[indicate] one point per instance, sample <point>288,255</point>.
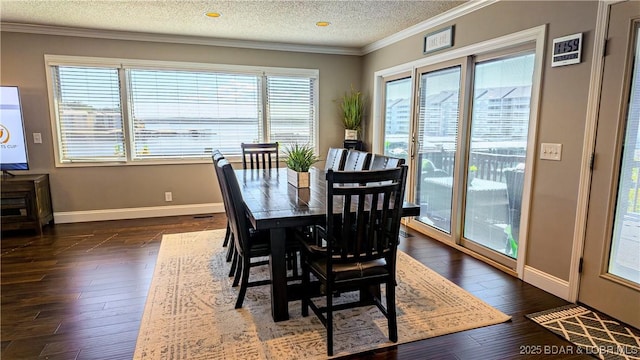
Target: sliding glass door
<point>467,146</point>
<point>436,144</point>
<point>495,171</point>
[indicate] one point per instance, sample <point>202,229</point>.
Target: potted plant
<point>299,160</point>
<point>352,106</point>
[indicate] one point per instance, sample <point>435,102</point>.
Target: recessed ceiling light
<point>323,23</point>
<point>213,14</point>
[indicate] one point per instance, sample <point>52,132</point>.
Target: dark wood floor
<point>78,292</point>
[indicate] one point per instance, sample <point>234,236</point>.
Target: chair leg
<point>391,311</point>
<point>234,262</point>
<point>227,235</point>
<point>293,256</point>
<point>289,260</point>
<point>329,320</point>
<point>305,286</point>
<point>231,249</point>
<point>244,283</point>
<point>239,270</point>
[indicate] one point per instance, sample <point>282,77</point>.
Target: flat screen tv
<point>13,142</point>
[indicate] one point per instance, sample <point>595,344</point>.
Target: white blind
<point>185,114</point>
<point>174,111</point>
<point>89,115</point>
<point>291,110</point>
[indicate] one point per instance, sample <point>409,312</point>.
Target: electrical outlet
<point>551,151</point>
<point>37,138</point>
<point>168,196</point>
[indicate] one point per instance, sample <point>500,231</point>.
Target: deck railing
<point>489,165</point>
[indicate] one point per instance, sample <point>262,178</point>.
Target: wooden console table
<point>25,202</point>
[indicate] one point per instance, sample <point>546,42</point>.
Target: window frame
<point>125,64</point>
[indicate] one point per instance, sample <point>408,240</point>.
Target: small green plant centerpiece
<point>299,160</point>
<point>352,105</point>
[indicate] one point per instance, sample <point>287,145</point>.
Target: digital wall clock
<point>567,50</point>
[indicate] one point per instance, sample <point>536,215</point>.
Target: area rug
<point>189,313</point>
<point>593,333</point>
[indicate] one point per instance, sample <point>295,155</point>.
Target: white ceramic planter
<point>350,134</point>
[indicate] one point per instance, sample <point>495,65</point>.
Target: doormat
<point>592,332</point>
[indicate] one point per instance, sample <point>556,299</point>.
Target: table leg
<point>277,264</point>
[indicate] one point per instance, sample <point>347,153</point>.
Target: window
<point>133,113</point>
<point>184,114</point>
<point>291,109</point>
<point>89,115</point>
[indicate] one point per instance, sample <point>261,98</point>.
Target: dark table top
<point>272,202</point>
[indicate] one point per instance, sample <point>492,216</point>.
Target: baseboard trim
<point>66,217</point>
<point>546,282</point>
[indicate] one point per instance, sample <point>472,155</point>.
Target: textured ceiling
<point>354,24</point>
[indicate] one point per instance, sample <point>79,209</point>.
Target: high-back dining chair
<point>335,159</point>
<point>232,254</point>
<point>260,155</point>
<point>356,251</point>
<point>380,162</point>
<point>356,160</point>
<point>249,243</point>
<point>215,156</point>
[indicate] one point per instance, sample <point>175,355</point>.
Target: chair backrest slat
<point>260,155</point>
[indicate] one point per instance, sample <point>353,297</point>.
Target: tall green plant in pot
<point>299,160</point>
<point>352,106</point>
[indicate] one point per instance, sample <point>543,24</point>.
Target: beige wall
<point>562,111</point>
<point>116,187</point>
<point>562,114</point>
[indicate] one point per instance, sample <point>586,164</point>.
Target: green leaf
<point>352,106</point>
<point>300,157</point>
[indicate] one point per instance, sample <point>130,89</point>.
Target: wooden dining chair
<point>232,253</point>
<point>260,155</point>
<point>217,155</point>
<point>356,251</point>
<point>356,160</point>
<point>335,159</point>
<point>380,162</point>
<point>249,243</point>
<point>266,156</point>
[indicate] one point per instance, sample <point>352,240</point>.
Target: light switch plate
<point>37,138</point>
<point>551,151</point>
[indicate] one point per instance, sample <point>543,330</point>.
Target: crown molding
<point>178,39</point>
<point>443,18</point>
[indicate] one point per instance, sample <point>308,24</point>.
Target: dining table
<point>275,205</point>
